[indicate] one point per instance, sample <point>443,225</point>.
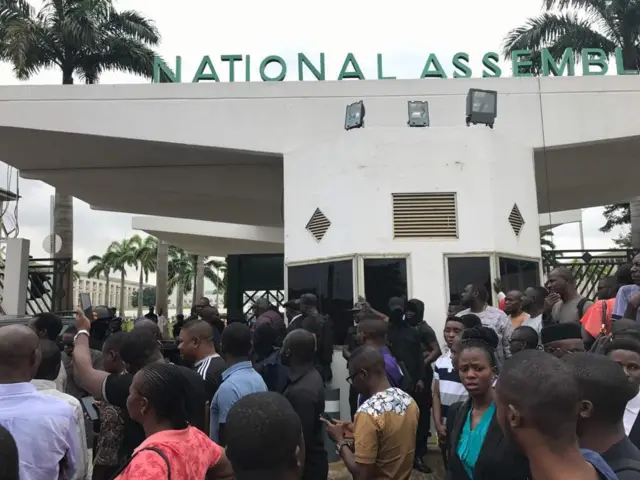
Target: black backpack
<point>625,465</point>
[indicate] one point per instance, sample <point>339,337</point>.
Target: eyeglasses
<point>351,378</point>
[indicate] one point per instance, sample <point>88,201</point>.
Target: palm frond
<point>549,29</point>
<point>133,25</point>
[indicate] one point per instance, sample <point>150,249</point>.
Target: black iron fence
<point>46,287</point>
<point>588,266</point>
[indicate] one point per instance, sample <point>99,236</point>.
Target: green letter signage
<point>518,63</point>
<point>490,63</point>
<point>163,74</point>
<point>461,70</point>
<point>303,60</point>
<point>350,60</point>
<point>439,72</point>
<point>232,59</point>
<point>620,70</point>
<point>380,74</point>
<point>201,75</point>
<point>549,65</point>
<point>594,57</point>
<point>268,61</point>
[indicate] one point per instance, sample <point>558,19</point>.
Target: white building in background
<point>97,288</point>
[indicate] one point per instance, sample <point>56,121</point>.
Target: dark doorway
<point>332,283</point>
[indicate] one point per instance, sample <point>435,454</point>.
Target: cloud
<point>405,34</point>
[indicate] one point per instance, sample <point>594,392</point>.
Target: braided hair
<point>483,338</point>
<point>168,390</point>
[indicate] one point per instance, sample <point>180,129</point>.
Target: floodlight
<point>482,107</point>
<point>418,114</point>
<point>354,117</point>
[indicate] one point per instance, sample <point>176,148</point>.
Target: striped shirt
<point>451,388</point>
<point>210,369</point>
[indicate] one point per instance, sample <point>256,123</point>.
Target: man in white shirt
<point>533,304</point>
<point>44,381</point>
<point>163,324</point>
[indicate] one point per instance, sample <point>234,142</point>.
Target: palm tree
<point>102,266</point>
<point>546,240</point>
<point>182,273</point>
<point>124,255</point>
<point>580,24</point>
<point>82,38</point>
<point>146,258</point>
<point>76,275</point>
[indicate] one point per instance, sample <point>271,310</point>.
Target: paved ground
<point>337,471</point>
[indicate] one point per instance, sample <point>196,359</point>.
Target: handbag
<point>604,337</point>
<point>153,449</point>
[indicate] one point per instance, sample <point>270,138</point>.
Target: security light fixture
<point>354,117</point>
<point>418,114</point>
<point>482,107</point>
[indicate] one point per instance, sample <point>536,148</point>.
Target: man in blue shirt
<point>239,380</point>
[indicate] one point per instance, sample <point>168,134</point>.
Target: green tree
<point>182,273</point>
<point>83,38</point>
<point>102,267</point>
<point>124,256</point>
<point>546,240</point>
<point>580,24</point>
<point>148,298</point>
<point>146,258</point>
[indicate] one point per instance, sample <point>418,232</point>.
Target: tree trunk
<point>180,298</point>
<point>122,294</point>
<point>162,274</point>
<point>198,287</point>
<point>107,295</point>
<point>140,297</point>
<point>63,228</point>
<point>634,204</point>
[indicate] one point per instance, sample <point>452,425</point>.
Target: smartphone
<point>85,304</point>
<point>332,421</point>
<point>88,405</point>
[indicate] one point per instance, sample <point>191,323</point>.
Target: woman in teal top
<point>479,450</point>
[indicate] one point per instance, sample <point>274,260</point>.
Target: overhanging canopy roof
<point>213,238</point>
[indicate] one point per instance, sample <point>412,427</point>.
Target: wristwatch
<point>342,444</point>
<point>80,332</point>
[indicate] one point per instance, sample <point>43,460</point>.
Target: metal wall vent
<point>318,225</point>
<point>424,215</point>
<point>516,220</point>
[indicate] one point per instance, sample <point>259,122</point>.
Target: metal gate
<point>251,277</point>
<point>588,266</point>
<point>45,288</point>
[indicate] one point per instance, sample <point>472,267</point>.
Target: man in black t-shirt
<point>605,392</point>
<point>139,348</point>
<point>196,347</point>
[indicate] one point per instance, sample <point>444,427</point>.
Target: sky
<point>404,34</point>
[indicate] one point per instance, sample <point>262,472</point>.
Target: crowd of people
<point>544,387</point>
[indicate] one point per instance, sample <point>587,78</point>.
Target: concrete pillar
<point>16,276</point>
<point>199,290</point>
<point>162,277</point>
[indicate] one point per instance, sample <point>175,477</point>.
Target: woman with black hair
<point>478,449</point>
<point>160,399</point>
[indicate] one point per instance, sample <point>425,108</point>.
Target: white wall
<point>352,177</point>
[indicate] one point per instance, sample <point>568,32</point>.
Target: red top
<point>592,318</point>
<point>501,304</point>
<point>190,453</point>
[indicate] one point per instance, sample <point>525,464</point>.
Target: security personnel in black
<point>406,346</point>
<point>414,315</point>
